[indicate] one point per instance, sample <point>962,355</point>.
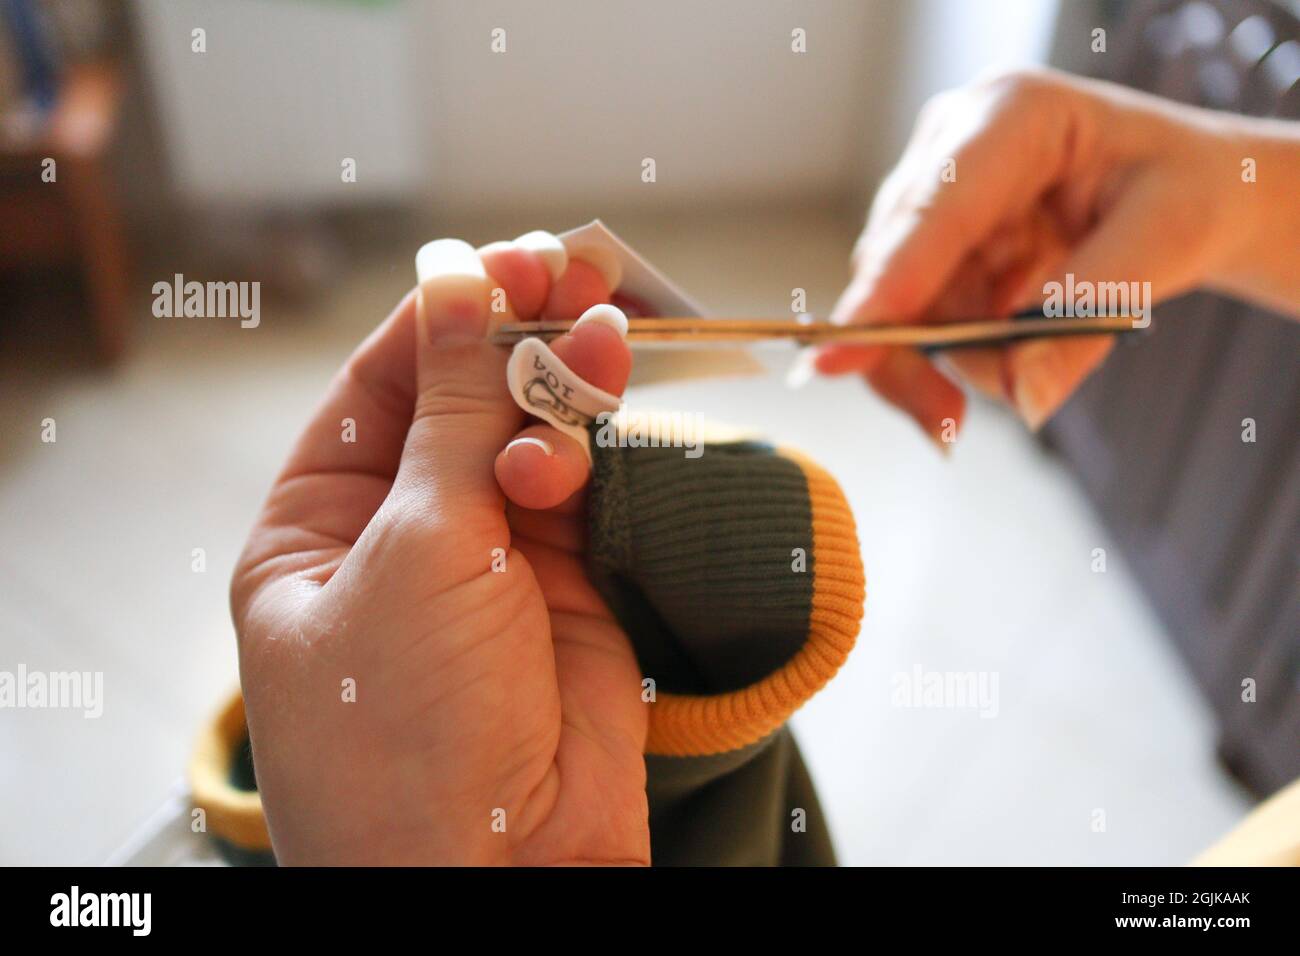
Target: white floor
<point>979,563</point>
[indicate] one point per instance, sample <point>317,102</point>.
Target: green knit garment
<point>694,558</point>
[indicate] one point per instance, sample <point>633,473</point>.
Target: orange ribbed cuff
<point>688,725</point>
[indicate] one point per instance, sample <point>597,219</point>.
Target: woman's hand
<point>497,714</point>
<point>1016,181</point>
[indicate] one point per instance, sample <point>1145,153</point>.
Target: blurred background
<point>214,139</point>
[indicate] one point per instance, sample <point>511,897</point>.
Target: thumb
<point>463,413</point>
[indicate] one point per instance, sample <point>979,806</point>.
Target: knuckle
<point>936,106</point>
<point>1021,86</point>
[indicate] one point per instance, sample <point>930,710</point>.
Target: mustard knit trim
<point>232,814</point>
<point>688,725</point>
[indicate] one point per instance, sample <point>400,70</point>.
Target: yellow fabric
<point>1270,836</point>
<point>234,815</point>
<point>688,725</point>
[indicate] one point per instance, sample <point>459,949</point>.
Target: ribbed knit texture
<point>709,543</point>
<point>695,558</point>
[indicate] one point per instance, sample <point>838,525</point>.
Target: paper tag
<point>542,385</point>
<point>643,282</point>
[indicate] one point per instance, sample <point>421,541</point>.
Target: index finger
<point>984,159</point>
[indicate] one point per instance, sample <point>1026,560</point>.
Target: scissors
<point>683,331</point>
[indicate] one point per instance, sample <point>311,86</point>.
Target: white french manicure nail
<point>802,369</point>
<point>448,257</point>
<point>548,246</point>
<point>604,314</point>
<point>453,288</point>
<point>604,260</point>
<point>448,269</point>
<point>541,443</point>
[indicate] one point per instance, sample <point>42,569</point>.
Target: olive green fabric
<point>694,557</point>
<point>750,807</point>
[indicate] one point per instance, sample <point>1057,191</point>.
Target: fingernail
<point>945,447</point>
<point>541,443</point>
<point>854,303</point>
<point>548,246</point>
<point>1034,388</point>
<point>802,369</point>
<point>603,259</point>
<point>1027,404</point>
<point>604,314</point>
<point>453,290</point>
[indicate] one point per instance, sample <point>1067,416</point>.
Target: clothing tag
<point>544,386</point>
<point>650,287</point>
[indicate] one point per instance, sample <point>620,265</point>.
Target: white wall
<point>939,44</point>
<point>584,92</point>
<point>286,90</point>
